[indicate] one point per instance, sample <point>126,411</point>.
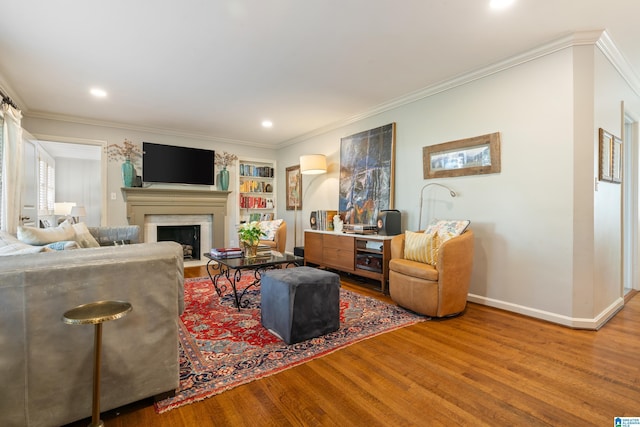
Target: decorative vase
<point>224,179</point>
<point>128,173</point>
<point>250,249</point>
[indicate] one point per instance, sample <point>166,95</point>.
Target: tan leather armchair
<point>425,289</point>
<point>280,240</point>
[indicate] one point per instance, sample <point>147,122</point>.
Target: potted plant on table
<point>250,234</point>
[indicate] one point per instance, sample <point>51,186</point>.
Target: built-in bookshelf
<point>256,190</point>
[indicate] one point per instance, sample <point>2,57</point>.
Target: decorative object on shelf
<point>128,173</point>
<point>471,156</point>
<point>337,224</point>
<point>129,153</point>
<point>225,159</point>
<point>250,234</point>
<point>367,167</point>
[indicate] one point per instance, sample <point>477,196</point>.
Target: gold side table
<point>96,313</point>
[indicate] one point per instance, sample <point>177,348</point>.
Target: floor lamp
<point>451,193</point>
<point>310,164</point>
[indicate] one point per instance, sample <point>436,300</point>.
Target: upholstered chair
<point>436,290</point>
<point>276,239</point>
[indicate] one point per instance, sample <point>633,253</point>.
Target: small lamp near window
<point>77,212</point>
<point>62,210</point>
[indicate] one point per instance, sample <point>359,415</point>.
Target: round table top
<point>96,312</point>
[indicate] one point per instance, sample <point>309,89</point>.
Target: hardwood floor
<point>485,368</point>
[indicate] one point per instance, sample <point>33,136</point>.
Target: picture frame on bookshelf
<point>294,188</point>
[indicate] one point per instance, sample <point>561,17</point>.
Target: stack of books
<point>263,250</point>
<point>226,252</point>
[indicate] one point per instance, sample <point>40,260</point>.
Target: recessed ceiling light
<point>500,4</point>
<point>99,93</point>
<point>267,123</point>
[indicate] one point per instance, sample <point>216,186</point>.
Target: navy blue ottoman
<point>300,303</point>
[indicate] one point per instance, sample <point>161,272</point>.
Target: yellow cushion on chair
<point>421,247</point>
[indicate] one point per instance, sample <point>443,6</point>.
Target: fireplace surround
<point>142,202</point>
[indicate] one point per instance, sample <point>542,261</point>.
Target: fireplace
<point>187,235</point>
<point>181,229</point>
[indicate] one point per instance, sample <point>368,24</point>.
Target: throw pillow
<point>84,238</point>
<point>269,228</point>
<point>43,236</point>
<point>421,247</point>
<point>451,227</point>
<point>9,245</point>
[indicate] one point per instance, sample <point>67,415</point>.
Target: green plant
<point>250,232</point>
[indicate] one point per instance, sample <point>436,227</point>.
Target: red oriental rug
<point>222,348</point>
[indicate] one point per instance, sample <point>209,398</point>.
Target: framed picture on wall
<point>606,154</point>
<point>610,157</point>
<point>471,156</point>
<point>366,174</point>
<point>616,160</point>
<point>294,188</point>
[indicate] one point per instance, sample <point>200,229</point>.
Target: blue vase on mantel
<point>128,173</point>
<point>224,179</point>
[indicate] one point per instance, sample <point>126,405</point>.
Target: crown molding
<point>161,131</point>
<point>599,38</point>
<point>609,49</point>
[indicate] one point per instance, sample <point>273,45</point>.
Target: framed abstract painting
<point>367,167</point>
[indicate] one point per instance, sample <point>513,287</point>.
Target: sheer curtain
<point>11,168</point>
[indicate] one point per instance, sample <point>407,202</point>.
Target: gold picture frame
<point>471,156</point>
<point>294,188</point>
<point>610,157</point>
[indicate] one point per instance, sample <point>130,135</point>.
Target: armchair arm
<point>281,237</point>
<point>397,246</point>
<point>455,263</point>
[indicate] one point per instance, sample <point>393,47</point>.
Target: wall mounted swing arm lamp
<point>451,193</point>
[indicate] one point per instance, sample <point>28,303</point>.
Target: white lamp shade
<point>63,208</point>
<point>313,164</point>
<point>78,211</point>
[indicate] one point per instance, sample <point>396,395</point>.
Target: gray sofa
<point>46,365</point>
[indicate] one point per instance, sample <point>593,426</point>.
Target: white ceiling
<point>217,68</point>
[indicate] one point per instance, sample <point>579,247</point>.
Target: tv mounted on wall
<point>177,165</point>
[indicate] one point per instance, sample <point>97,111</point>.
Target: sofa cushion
<point>269,229</point>
<point>9,245</point>
<point>84,238</point>
<point>63,245</point>
<point>421,247</point>
<point>43,236</point>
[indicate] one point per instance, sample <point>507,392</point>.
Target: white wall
<point>116,209</point>
<point>547,243</point>
<point>534,222</point>
<point>78,180</point>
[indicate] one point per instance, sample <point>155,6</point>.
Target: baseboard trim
<point>572,322</point>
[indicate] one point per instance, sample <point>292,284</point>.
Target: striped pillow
<point>421,247</point>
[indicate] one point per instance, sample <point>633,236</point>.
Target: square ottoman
<point>300,303</point>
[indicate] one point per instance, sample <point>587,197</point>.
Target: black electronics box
<point>371,262</point>
<point>388,223</point>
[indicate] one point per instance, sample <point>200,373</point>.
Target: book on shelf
<point>324,219</point>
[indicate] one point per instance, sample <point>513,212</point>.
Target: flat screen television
<point>177,165</point>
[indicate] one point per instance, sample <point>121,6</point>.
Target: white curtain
<point>12,162</point>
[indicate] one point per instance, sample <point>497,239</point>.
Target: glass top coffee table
<point>256,264</point>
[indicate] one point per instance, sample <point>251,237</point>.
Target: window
<point>46,186</point>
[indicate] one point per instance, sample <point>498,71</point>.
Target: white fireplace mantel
<point>162,201</point>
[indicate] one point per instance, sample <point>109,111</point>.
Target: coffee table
<point>256,264</point>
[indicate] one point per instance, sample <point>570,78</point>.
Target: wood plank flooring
<point>487,367</point>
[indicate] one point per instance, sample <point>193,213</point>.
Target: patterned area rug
<point>222,348</point>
